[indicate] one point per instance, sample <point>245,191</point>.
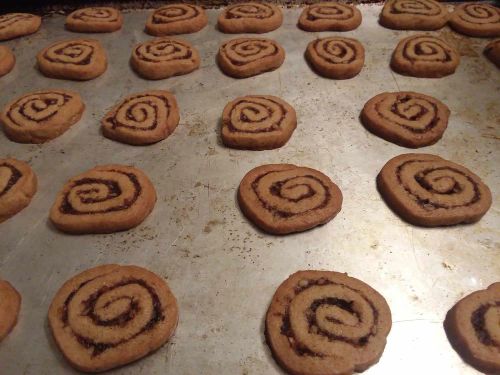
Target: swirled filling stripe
<point>482,13</point>
<point>415,7</point>
<point>100,15</point>
<point>37,107</point>
<point>342,54</point>
<point>9,20</point>
<point>164,17</point>
<point>60,51</point>
<point>273,127</point>
<point>241,63</point>
<point>130,116</point>
<point>478,322</point>
<point>435,48</point>
<point>148,48</point>
<point>14,177</point>
<point>332,12</point>
<point>261,11</point>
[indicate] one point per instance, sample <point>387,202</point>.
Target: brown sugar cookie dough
<point>492,52</point>
<point>142,118</point>
<point>330,17</point>
<point>18,185</point>
<point>429,191</point>
<point>473,328</point>
<point>40,116</point>
<point>406,118</point>
<point>257,122</point>
<point>284,198</point>
<point>250,18</point>
<point>336,57</point>
<point>414,15</point>
<point>164,57</point>
<point>111,315</point>
<point>95,20</point>
<point>246,57</point>
<point>175,19</point>
<point>10,305</point>
<point>7,60</point>
<point>326,323</point>
<point>75,59</point>
<point>424,56</point>
<point>105,199</point>
<point>476,19</point>
<point>13,25</point>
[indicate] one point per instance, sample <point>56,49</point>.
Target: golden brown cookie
<point>75,59</point>
<point>473,328</point>
<point>429,191</point>
<point>336,57</point>
<point>476,19</point>
<point>17,187</point>
<point>7,60</point>
<point>175,19</point>
<point>247,57</point>
<point>492,52</point>
<point>326,323</point>
<point>164,57</point>
<point>142,118</point>
<point>414,15</point>
<point>13,25</point>
<point>105,199</point>
<point>424,56</point>
<point>95,20</point>
<point>40,116</point>
<point>111,315</point>
<point>257,122</point>
<point>409,119</point>
<point>330,17</point>
<point>250,18</point>
<point>10,304</point>
<point>284,198</point>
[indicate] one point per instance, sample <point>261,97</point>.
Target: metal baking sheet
<point>222,269</point>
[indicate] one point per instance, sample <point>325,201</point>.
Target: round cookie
<point>330,17</point>
<point>10,305</point>
<point>257,122</point>
<point>326,323</point>
<point>492,51</point>
<point>247,57</point>
<point>414,15</point>
<point>95,20</point>
<point>7,60</point>
<point>476,19</point>
<point>424,56</point>
<point>105,199</point>
<point>406,118</point>
<point>111,315</point>
<point>75,59</point>
<point>164,57</point>
<point>429,191</point>
<point>40,116</point>
<point>336,57</point>
<point>284,198</point>
<point>13,25</point>
<point>175,19</point>
<point>250,18</point>
<point>17,186</point>
<point>473,328</point>
<point>142,118</point>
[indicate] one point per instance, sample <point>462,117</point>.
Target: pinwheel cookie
<point>17,186</point>
<point>414,15</point>
<point>492,52</point>
<point>13,25</point>
<point>430,191</point>
<point>95,20</point>
<point>284,198</point>
<point>143,118</point>
<point>41,116</point>
<point>476,19</point>
<point>10,304</point>
<point>250,18</point>
<point>105,199</point>
<point>76,59</point>
<point>7,60</point>
<point>176,19</point>
<point>164,57</point>
<point>246,57</point>
<point>257,122</point>
<point>330,17</point>
<point>111,315</point>
<point>326,323</point>
<point>473,328</point>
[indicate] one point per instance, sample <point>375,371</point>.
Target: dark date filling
<point>478,322</point>
<point>9,20</point>
<point>275,126</point>
<point>431,10</point>
<point>14,177</point>
<point>116,124</point>
<point>161,18</point>
<point>60,51</point>
<point>255,12</point>
<point>186,56</point>
<point>342,54</point>
<point>488,13</point>
<point>256,43</point>
<point>47,102</point>
<point>101,15</point>
<point>419,51</point>
<point>346,13</point>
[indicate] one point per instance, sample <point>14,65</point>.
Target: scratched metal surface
<point>221,268</point>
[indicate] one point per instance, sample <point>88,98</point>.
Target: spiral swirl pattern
<point>414,15</point>
<point>78,53</point>
<point>10,19</point>
<point>330,17</point>
<point>250,10</point>
<point>328,319</point>
<point>13,25</point>
<point>250,17</point>
<point>164,49</point>
<point>96,14</point>
<point>34,108</point>
<point>422,7</point>
<point>428,190</point>
<point>330,11</point>
<point>9,175</point>
<point>479,13</point>
<point>476,19</point>
<point>175,13</point>
<point>176,19</point>
<point>102,317</point>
